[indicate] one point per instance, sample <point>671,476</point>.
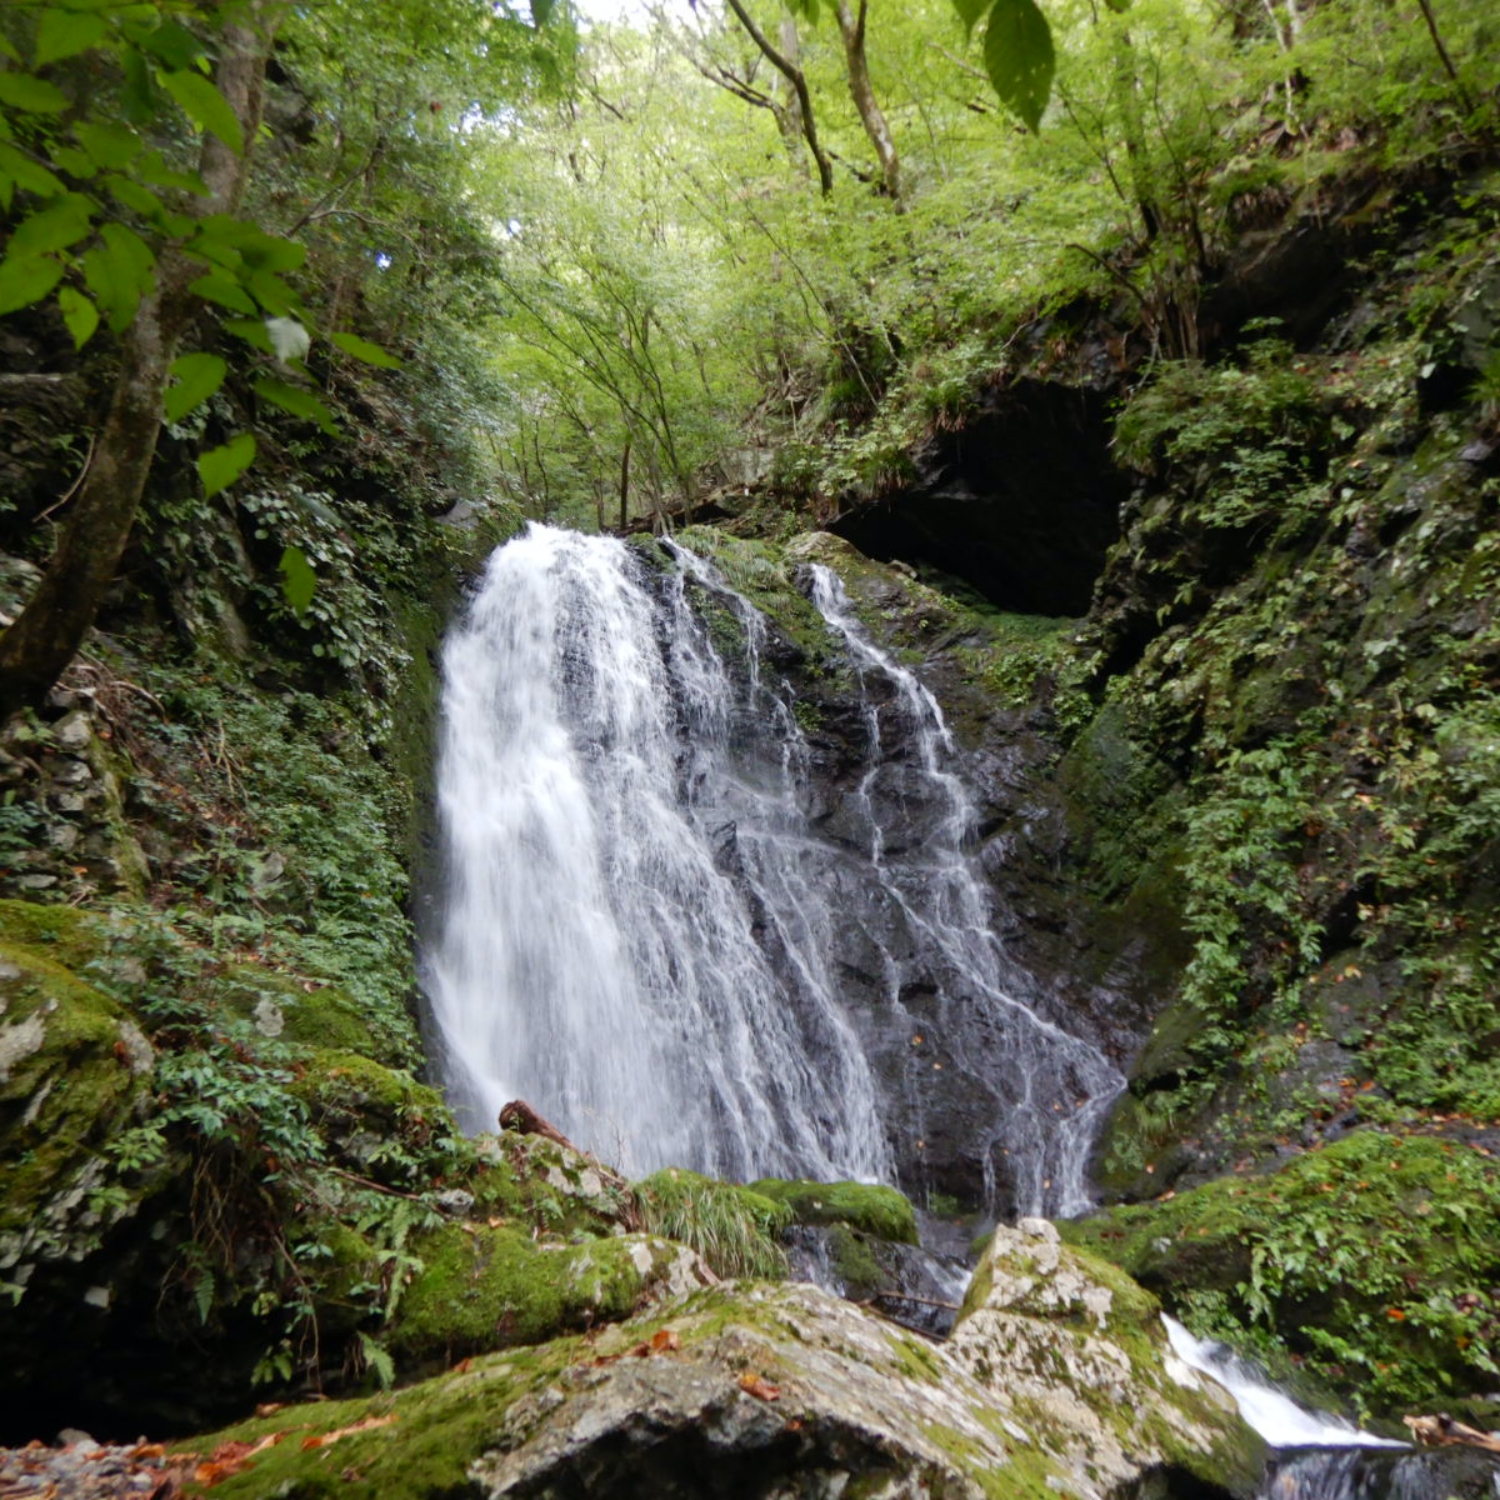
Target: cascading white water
<point>1271,1412</point>
<point>646,921</point>
<point>1055,1088</point>
<point>597,958</point>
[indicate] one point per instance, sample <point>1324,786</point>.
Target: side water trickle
<point>1052,1090</point>
<point>648,905</point>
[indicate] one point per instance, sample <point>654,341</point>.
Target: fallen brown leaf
<point>365,1424</point>
<point>759,1387</point>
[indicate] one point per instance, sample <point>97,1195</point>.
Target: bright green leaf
<point>28,175</point>
<point>63,33</point>
<point>138,98</point>
<point>34,95</point>
<point>220,467</point>
<point>63,222</point>
<point>81,316</point>
<point>197,377</point>
<point>154,169</point>
<point>252,331</point>
<point>26,279</point>
<point>6,50</point>
<point>117,271</point>
<point>74,162</point>
<point>371,354</point>
<point>1018,57</point>
<point>173,44</point>
<point>273,294</point>
<point>299,403</point>
<point>205,106</point>
<point>219,286</point>
<point>129,192</point>
<point>111,146</point>
<point>298,581</point>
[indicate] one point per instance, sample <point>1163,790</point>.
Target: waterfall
<point>1053,1089</point>
<point>650,904</point>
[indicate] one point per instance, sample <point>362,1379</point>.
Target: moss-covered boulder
<point>1373,1261</point>
<point>1080,1350</point>
<point>74,1072</point>
<point>479,1288</point>
<point>754,1391</point>
<point>878,1211</point>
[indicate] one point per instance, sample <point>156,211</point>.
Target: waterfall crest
<point>652,914</point>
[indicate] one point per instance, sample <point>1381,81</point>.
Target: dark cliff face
<point>1240,818</point>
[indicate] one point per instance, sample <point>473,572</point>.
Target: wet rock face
<point>946,1070</point>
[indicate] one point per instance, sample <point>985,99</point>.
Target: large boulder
<point>1076,1352</point>
<point>1058,1383</point>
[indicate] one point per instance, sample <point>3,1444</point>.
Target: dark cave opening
<point>1022,502</point>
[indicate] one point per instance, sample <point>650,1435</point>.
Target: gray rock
<point>73,732</point>
<point>1059,1335</point>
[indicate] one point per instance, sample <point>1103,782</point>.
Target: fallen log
<point>519,1116</point>
<point>1443,1431</point>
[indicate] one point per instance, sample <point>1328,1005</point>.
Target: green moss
<point>70,1080</point>
<point>69,937</point>
<point>481,1288</point>
<point>345,1085</point>
<point>313,1015</point>
<point>1373,1259</point>
<point>873,1209</point>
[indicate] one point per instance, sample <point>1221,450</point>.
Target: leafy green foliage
<point>1373,1260</point>
<point>733,1228</point>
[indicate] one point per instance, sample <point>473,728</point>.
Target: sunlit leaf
<point>64,33</point>
<point>197,377</point>
<point>26,279</point>
<point>219,286</point>
<point>971,12</point>
<point>371,354</point>
<point>220,467</point>
<point>251,330</point>
<point>62,223</point>
<point>129,192</point>
<point>80,315</point>
<point>298,581</point>
<point>170,42</point>
<point>1019,59</point>
<point>34,95</point>
<point>205,106</point>
<point>117,271</point>
<point>28,175</point>
<point>111,146</point>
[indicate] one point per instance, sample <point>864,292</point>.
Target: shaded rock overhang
<point>1022,502</point>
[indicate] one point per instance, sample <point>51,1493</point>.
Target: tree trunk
<point>46,636</point>
<point>625,485</point>
<point>871,116</point>
<point>1128,100</point>
<point>794,76</point>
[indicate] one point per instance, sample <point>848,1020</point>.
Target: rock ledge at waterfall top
<point>1058,1383</point>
